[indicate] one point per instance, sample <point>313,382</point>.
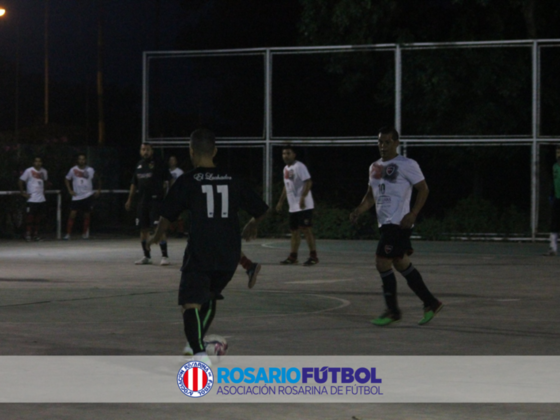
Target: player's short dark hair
<point>289,147</point>
<point>80,154</point>
<point>203,141</point>
<point>390,130</point>
<point>37,157</point>
<point>147,144</point>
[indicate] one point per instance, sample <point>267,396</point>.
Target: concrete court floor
<point>87,298</point>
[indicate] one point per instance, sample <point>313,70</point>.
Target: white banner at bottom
<point>280,379</point>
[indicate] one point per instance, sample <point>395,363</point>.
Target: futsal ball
<point>216,345</point>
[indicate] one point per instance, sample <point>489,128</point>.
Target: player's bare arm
<point>162,227</point>
<point>281,200</point>
<point>367,203</point>
<point>128,203</point>
<point>250,230</point>
<point>22,189</point>
<point>408,220</point>
<point>69,188</point>
<point>306,188</point>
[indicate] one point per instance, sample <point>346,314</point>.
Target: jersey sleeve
<point>175,201</point>
<point>412,172</point>
<point>303,173</point>
<point>25,175</point>
<point>251,202</point>
<point>70,175</point>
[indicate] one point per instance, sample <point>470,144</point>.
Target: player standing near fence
<point>150,180</point>
<point>213,198</point>
<point>34,179</point>
<point>391,180</point>
<point>81,190</point>
<point>297,188</point>
<point>555,201</point>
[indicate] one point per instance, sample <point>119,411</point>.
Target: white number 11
<point>209,191</point>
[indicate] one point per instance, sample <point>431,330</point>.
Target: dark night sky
<point>130,28</point>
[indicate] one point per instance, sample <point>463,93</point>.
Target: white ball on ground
<point>215,345</point>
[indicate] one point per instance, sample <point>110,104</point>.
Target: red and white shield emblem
<point>195,379</point>
<point>388,249</point>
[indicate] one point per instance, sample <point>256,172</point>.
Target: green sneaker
<point>388,317</point>
<point>430,312</point>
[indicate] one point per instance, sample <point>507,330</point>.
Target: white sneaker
<point>202,357</point>
<point>187,350</point>
<point>85,235</point>
<point>67,237</point>
<point>164,261</point>
<point>143,261</point>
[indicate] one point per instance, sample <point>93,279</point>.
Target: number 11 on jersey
<point>223,191</point>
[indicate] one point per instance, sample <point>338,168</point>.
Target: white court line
<point>316,281</point>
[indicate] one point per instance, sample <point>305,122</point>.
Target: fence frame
<point>59,204</point>
<point>268,141</point>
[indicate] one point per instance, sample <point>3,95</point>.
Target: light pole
<point>16,119</point>
<point>46,62</point>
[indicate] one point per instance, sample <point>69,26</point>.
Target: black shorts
<point>202,286</point>
<point>148,213</point>
<point>36,208</point>
<point>85,205</point>
<point>555,216</point>
<point>394,242</point>
<point>302,218</point>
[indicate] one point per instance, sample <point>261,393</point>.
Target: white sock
<point>553,242</point>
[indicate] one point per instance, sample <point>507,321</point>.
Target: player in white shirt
<point>34,179</point>
<point>391,180</point>
<point>81,190</point>
<point>297,188</point>
<point>174,170</point>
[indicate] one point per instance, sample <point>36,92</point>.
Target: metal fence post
<point>535,134</point>
<point>268,127</point>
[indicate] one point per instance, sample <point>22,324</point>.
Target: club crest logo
<point>391,171</point>
<point>195,379</point>
<point>388,249</point>
<point>199,177</point>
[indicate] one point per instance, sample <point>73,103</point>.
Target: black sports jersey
<point>149,177</point>
<point>213,197</point>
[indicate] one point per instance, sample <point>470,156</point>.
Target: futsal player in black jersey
<point>150,181</point>
<point>213,197</point>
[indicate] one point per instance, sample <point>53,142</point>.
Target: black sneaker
<point>38,239</point>
<point>289,261</point>
<point>252,272</point>
<point>388,317</point>
<point>311,261</point>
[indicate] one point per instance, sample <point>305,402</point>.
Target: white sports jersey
<point>176,173</point>
<point>35,184</point>
<point>391,182</point>
<point>294,179</point>
<point>82,182</point>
